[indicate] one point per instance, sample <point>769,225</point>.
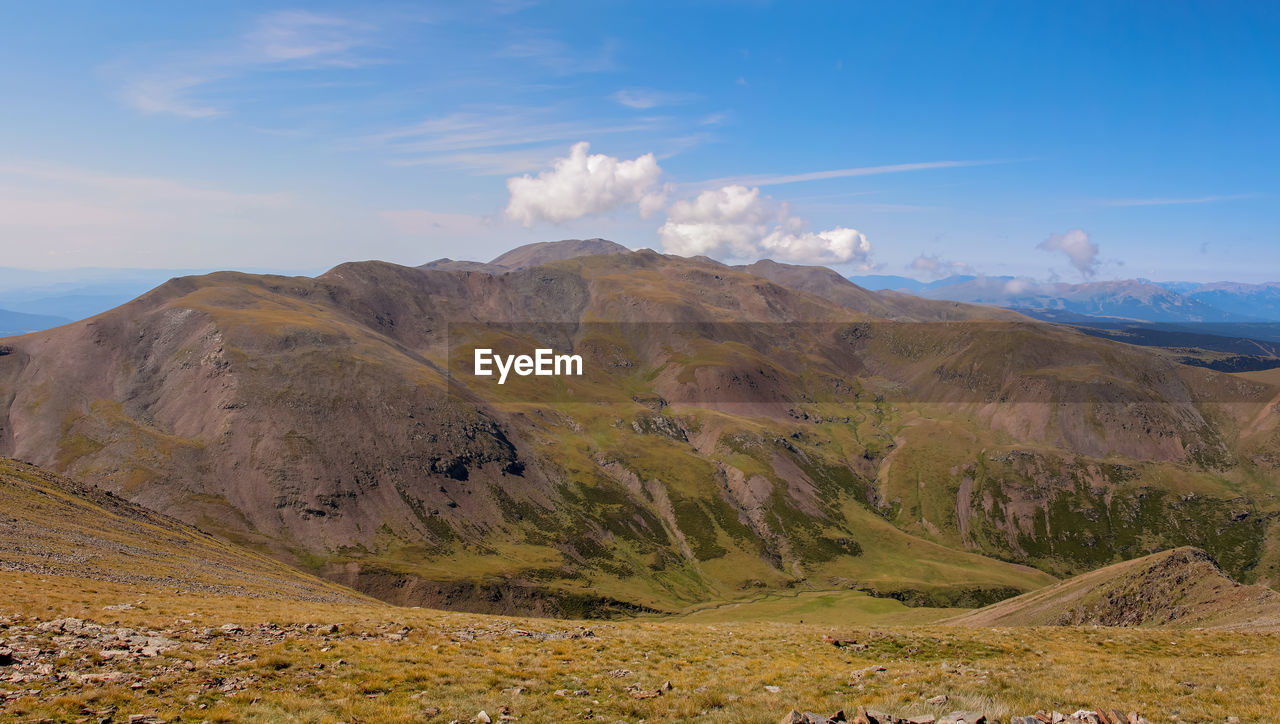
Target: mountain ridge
<point>328,421</point>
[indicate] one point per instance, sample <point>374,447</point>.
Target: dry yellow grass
<point>451,666</point>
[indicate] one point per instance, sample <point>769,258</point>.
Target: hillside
<point>1181,588</point>
<point>731,436</point>
<point>51,525</point>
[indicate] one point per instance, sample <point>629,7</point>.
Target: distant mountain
<point>530,255</point>
<point>1134,299</point>
<point>13,323</point>
<point>1260,301</point>
<point>881,282</point>
<point>77,293</point>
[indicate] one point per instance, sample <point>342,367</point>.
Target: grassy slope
<point>52,525</point>
<point>462,663</point>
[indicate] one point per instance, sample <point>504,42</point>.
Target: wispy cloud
<point>561,58</point>
<point>282,40</point>
<point>776,180</point>
<point>500,140</point>
<point>646,98</point>
<point>1179,201</point>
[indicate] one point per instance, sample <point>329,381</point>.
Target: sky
<point>1061,141</point>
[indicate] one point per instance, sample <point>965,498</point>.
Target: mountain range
<point>737,429</point>
<point>1136,300</point>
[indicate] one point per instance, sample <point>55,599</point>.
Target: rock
<point>772,689</point>
<point>6,657</point>
<point>795,717</point>
<point>938,700</point>
<point>922,719</point>
<point>666,686</point>
<point>871,716</point>
<point>231,628</point>
<point>963,717</point>
<point>483,717</point>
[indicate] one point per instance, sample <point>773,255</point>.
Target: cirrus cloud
<point>583,184</point>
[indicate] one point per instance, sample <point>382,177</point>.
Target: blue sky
<point>1056,140</point>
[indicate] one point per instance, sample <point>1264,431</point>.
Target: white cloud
<point>583,184</point>
<point>1019,287</point>
<point>936,267</point>
<point>1080,251</point>
<point>739,223</point>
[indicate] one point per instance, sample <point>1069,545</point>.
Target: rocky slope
<point>1181,588</point>
<point>731,433</point>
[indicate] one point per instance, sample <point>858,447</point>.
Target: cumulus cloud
<point>738,222</point>
<point>1080,251</point>
<point>936,267</point>
<point>583,184</point>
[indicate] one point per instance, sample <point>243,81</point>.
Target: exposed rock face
<point>729,432</point>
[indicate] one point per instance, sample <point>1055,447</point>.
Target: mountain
<point>1130,299</point>
<point>55,526</point>
<point>730,434</point>
<point>881,282</point>
<point>1133,300</point>
<point>1259,301</point>
<point>888,282</point>
<point>531,255</point>
<point>829,285</point>
<point>14,323</point>
<point>1182,588</point>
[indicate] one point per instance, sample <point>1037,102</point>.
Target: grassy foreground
<point>388,664</point>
